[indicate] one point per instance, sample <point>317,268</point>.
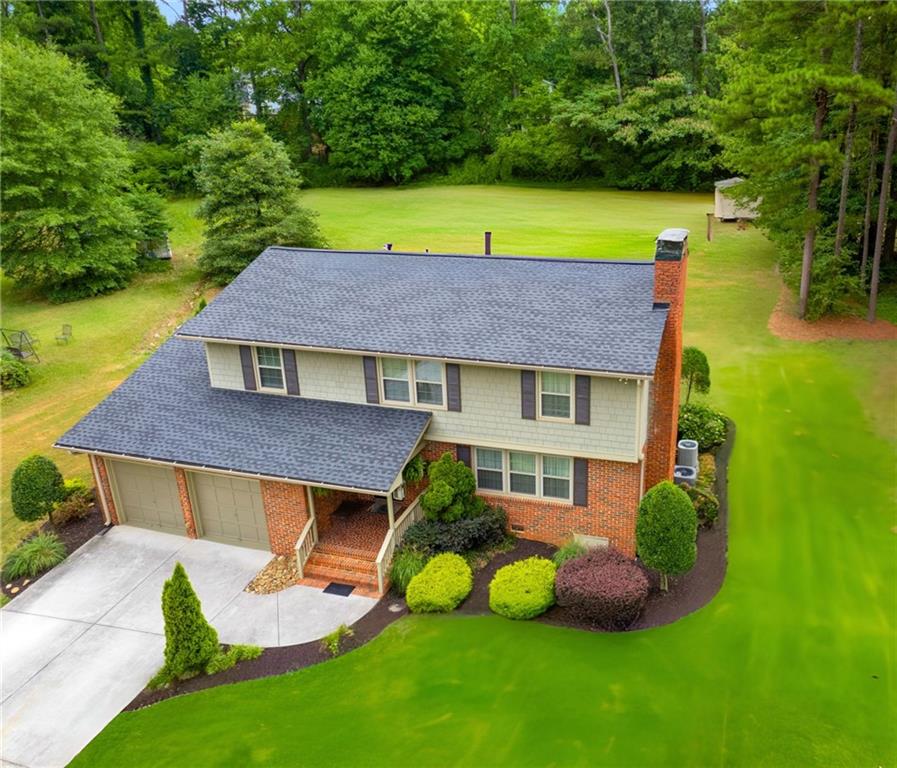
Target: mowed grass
<point>792,664</point>
<point>113,334</point>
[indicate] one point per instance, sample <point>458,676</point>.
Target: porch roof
<point>166,411</point>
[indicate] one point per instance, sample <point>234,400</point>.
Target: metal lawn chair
<point>66,334</point>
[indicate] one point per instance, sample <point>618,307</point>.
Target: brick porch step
<point>341,568</point>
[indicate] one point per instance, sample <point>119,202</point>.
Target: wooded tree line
<point>638,95</point>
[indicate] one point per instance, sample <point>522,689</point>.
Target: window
<point>270,367</point>
<point>417,382</point>
<point>490,474</point>
<point>522,473</point>
<point>428,380</point>
<point>556,477</point>
<point>395,380</point>
<point>554,395</point>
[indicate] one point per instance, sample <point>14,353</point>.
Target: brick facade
<point>660,451</point>
<point>286,509</point>
<point>101,480</point>
<point>186,502</point>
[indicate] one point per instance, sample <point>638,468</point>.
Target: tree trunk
<point>515,88</point>
<point>812,203</point>
<point>146,72</point>
<point>848,144</point>
<point>882,213</point>
<point>97,30</point>
<point>867,217</point>
<point>43,20</point>
<point>607,37</point>
<point>688,391</point>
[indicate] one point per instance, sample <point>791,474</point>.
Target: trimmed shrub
<point>441,586</point>
<point>75,485</point>
<point>665,531</point>
<point>698,422</point>
<point>450,494</point>
<point>36,487</point>
<point>570,550</point>
<point>523,590</point>
<point>191,643</point>
<point>603,588</point>
<point>331,643</point>
<point>487,529</point>
<point>36,555</point>
<point>407,562</point>
<point>14,374</point>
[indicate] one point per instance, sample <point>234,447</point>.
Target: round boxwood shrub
<point>523,590</point>
<point>666,530</point>
<point>441,586</point>
<point>14,374</point>
<point>37,486</point>
<point>603,588</point>
<point>698,422</point>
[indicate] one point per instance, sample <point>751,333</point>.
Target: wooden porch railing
<point>394,538</point>
<point>305,544</point>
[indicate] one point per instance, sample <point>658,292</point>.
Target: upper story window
<point>555,396</point>
<point>270,367</point>
<point>416,382</point>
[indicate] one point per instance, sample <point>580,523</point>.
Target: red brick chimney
<point>670,264</point>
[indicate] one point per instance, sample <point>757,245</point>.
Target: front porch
<point>350,539</point>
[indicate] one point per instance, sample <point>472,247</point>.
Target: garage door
<point>147,496</point>
<point>230,510</point>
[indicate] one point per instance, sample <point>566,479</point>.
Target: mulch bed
<point>73,534</point>
<point>686,594</point>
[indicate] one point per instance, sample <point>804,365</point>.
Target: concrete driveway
<point>80,643</point>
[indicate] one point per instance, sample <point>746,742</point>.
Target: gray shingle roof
<point>167,411</point>
<point>563,313</point>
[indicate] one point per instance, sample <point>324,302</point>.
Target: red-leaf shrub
<point>603,588</point>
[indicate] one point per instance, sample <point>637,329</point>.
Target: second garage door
<point>230,510</point>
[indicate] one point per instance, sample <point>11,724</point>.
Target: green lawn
<point>792,664</point>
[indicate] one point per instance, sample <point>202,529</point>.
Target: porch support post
<point>390,511</point>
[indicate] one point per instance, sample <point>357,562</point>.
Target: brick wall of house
<point>614,490</point>
<point>660,452</point>
<point>186,503</point>
<point>101,479</point>
<point>286,509</point>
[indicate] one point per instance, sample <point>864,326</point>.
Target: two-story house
<point>282,415</point>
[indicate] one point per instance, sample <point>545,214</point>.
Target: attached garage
<point>229,510</point>
<point>146,495</point>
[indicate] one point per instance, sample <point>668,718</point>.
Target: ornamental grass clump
<point>603,588</point>
<point>34,556</point>
<point>406,564</point>
<point>441,586</point>
<point>523,590</point>
<point>570,551</point>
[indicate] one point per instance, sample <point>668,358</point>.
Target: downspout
<point>101,491</point>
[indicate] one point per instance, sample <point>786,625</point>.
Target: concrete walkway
<point>80,643</point>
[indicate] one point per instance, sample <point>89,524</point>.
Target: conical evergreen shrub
<point>190,641</point>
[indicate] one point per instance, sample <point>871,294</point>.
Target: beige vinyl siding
<point>224,366</point>
<point>491,416</point>
<point>490,398</point>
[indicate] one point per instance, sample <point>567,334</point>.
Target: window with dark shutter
<point>528,394</point>
<point>291,371</point>
<point>463,453</point>
<point>370,379</point>
<point>248,366</point>
<point>453,385</point>
<point>580,482</point>
<point>583,399</point>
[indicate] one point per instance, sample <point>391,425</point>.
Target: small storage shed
<point>725,207</point>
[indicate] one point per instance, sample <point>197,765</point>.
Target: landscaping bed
<point>73,534</point>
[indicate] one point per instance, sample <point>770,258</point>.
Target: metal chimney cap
<point>673,235</point>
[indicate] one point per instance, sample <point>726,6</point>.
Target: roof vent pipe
<point>488,244</point>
